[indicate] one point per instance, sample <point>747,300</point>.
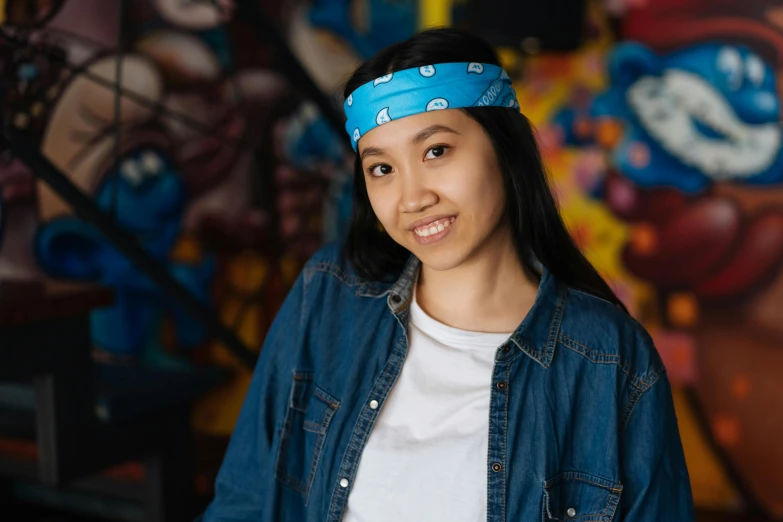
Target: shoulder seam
<point>636,395</point>
<point>637,325</point>
<point>588,294</point>
<point>361,287</point>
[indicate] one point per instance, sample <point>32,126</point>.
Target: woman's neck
<point>489,292</point>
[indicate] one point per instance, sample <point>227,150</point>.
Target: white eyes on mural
<point>151,163</point>
<point>136,170</point>
<point>730,62</point>
<point>755,69</point>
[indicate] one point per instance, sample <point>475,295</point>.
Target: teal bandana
<point>424,89</point>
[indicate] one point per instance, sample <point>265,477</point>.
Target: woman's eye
<point>379,170</point>
<point>436,152</point>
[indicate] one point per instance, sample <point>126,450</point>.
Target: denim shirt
<point>581,419</point>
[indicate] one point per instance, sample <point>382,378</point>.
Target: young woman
<point>457,359</point>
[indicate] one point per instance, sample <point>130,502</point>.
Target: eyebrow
<point>429,131</point>
<point>418,138</point>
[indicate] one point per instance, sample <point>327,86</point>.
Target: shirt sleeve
<point>245,489</point>
<point>656,485</point>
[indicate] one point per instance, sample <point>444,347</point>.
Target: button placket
<point>360,433</point>
<point>498,429</point>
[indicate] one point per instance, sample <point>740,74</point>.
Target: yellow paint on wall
<point>711,487</point>
<point>509,58</point>
<point>245,273</point>
<point>187,249</point>
<point>434,13</point>
<point>537,106</point>
<point>602,234</point>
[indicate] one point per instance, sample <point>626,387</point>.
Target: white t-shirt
<point>426,457</point>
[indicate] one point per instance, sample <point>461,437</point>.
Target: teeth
<point>434,228</point>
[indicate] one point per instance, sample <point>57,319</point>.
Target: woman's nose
<point>416,196</point>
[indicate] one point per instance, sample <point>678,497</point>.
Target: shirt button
<point>344,483</point>
<point>374,404</point>
<point>496,467</point>
<point>505,348</point>
<point>571,512</point>
<point>396,299</point>
<point>502,385</point>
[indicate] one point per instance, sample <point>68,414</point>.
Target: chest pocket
<point>310,411</point>
<point>571,496</point>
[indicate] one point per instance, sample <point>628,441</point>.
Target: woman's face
<point>434,183</point>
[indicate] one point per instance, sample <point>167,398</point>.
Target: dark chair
<point>84,418</point>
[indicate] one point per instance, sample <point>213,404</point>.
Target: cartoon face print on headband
<point>383,79</point>
<point>428,71</point>
<point>383,116</point>
<point>438,104</point>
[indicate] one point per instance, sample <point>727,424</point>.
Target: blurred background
<point>167,166</point>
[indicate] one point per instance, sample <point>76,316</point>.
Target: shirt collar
<point>536,335</point>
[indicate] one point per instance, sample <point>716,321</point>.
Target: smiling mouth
<point>433,228</point>
<point>693,122</point>
<point>434,232</point>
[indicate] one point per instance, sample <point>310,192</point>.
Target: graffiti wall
<point>174,119</point>
<point>662,136</point>
<point>666,150</point>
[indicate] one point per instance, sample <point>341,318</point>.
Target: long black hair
<point>537,228</point>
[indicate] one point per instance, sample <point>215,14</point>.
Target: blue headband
<point>423,89</point>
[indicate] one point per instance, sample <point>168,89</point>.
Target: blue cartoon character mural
<point>676,128</point>
<point>147,197</point>
<point>707,113</point>
<point>135,176</point>
<point>162,163</point>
